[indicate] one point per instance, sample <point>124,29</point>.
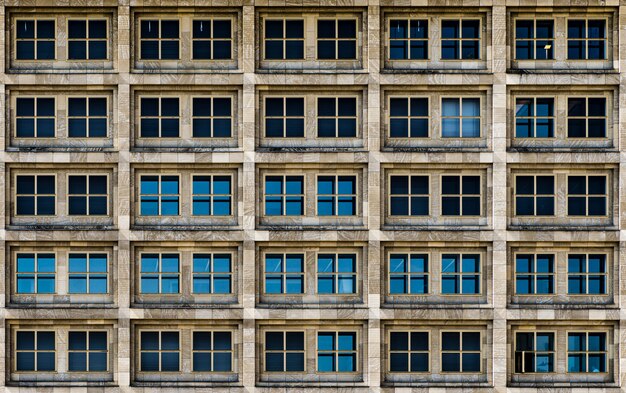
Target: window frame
<point>336,39</point>
<point>335,352</point>
<point>233,32</point>
<point>287,329</point>
<point>392,330</point>
<point>107,39</point>
<point>284,196</point>
<point>460,117</point>
<point>139,333</point>
<point>460,39</point>
<point>358,118</point>
<point>428,117</point>
<point>535,195</point>
<point>159,18</point>
<point>159,175</point>
<point>554,352</point>
<point>335,196</point>
<point>284,118</point>
<point>212,118</point>
<point>460,175</point>
<point>461,274</point>
<point>88,273</point>
<point>34,273</point>
<point>410,195</point>
<point>35,351</point>
<point>87,117</point>
<point>534,118</point>
<point>283,273</point>
<point>587,117</point>
<point>35,99</point>
<point>212,351</point>
<point>460,332</point>
<point>408,253</point>
<point>231,195</point>
<point>211,274</point>
<point>606,352</point>
<point>88,350</point>
<point>606,274</point>
<point>606,196</point>
<point>534,39</point>
<point>586,18</point>
<point>409,19</point>
<point>554,274</point>
<point>335,274</point>
<point>35,195</point>
<point>35,19</point>
<point>159,273</point>
<point>159,117</point>
<point>284,39</point>
<point>88,195</point>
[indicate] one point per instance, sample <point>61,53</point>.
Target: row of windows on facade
<point>334,195</point>
<point>288,351</point>
<point>299,118</point>
<point>288,273</point>
<point>287,39</point>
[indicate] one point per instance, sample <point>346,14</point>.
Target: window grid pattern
<point>35,351</point>
<point>88,273</point>
<point>586,39</point>
<point>534,117</point>
<point>409,352</point>
<point>88,195</point>
<point>461,352</point>
<point>87,39</point>
<point>160,273</point>
<point>212,195</point>
<point>409,274</point>
<point>159,39</point>
<point>159,351</point>
<point>408,39</point>
<point>460,117</point>
<point>284,351</point>
<point>586,352</point>
<point>35,195</point>
<point>284,274</point>
<point>35,117</point>
<point>336,195</point>
<point>337,117</point>
<point>587,196</point>
<point>587,274</point>
<point>87,117</point>
<point>159,195</point>
<point>212,39</point>
<point>408,117</point>
<point>460,195</point>
<point>586,117</point>
<point>534,195</point>
<point>534,39</point>
<point>336,39</point>
<point>212,351</point>
<point>35,273</point>
<point>160,117</point>
<point>534,352</point>
<point>212,273</point>
<point>409,196</point>
<point>534,274</point>
<point>284,117</point>
<point>336,352</point>
<point>336,274</point>
<point>87,351</point>
<point>212,117</point>
<point>35,39</point>
<point>460,39</point>
<point>460,274</point>
<point>284,39</point>
<point>284,195</point>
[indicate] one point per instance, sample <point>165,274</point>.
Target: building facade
<point>355,196</point>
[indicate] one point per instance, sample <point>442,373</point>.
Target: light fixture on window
<point>149,26</point>
<point>201,28</point>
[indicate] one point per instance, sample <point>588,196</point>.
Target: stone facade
<point>491,318</point>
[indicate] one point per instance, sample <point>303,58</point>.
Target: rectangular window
<point>160,117</point>
<point>409,196</point>
<point>408,274</point>
<point>461,352</point>
<point>534,195</point>
<point>35,39</point>
<point>35,117</point>
<point>460,274</point>
<point>336,117</point>
<point>409,352</point>
<point>160,352</point>
<point>534,117</point>
<point>284,117</point>
<point>336,39</point>
<point>534,274</point>
<point>460,39</point>
<point>586,117</point>
<point>87,39</point>
<point>460,195</point>
<point>87,273</point>
<point>212,117</point>
<point>284,352</point>
<point>87,195</point>
<point>159,195</point>
<point>586,39</point>
<point>159,40</point>
<point>284,195</point>
<point>212,39</point>
<point>408,117</point>
<point>87,117</point>
<point>35,195</point>
<point>336,195</point>
<point>534,39</point>
<point>336,274</point>
<point>212,195</point>
<point>212,352</point>
<point>336,352</point>
<point>212,274</point>
<point>160,273</point>
<point>284,39</point>
<point>460,118</point>
<point>586,352</point>
<point>408,39</point>
<point>534,352</point>
<point>35,351</point>
<point>284,274</point>
<point>87,351</point>
<point>587,196</point>
<point>35,273</point>
<point>586,274</point>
